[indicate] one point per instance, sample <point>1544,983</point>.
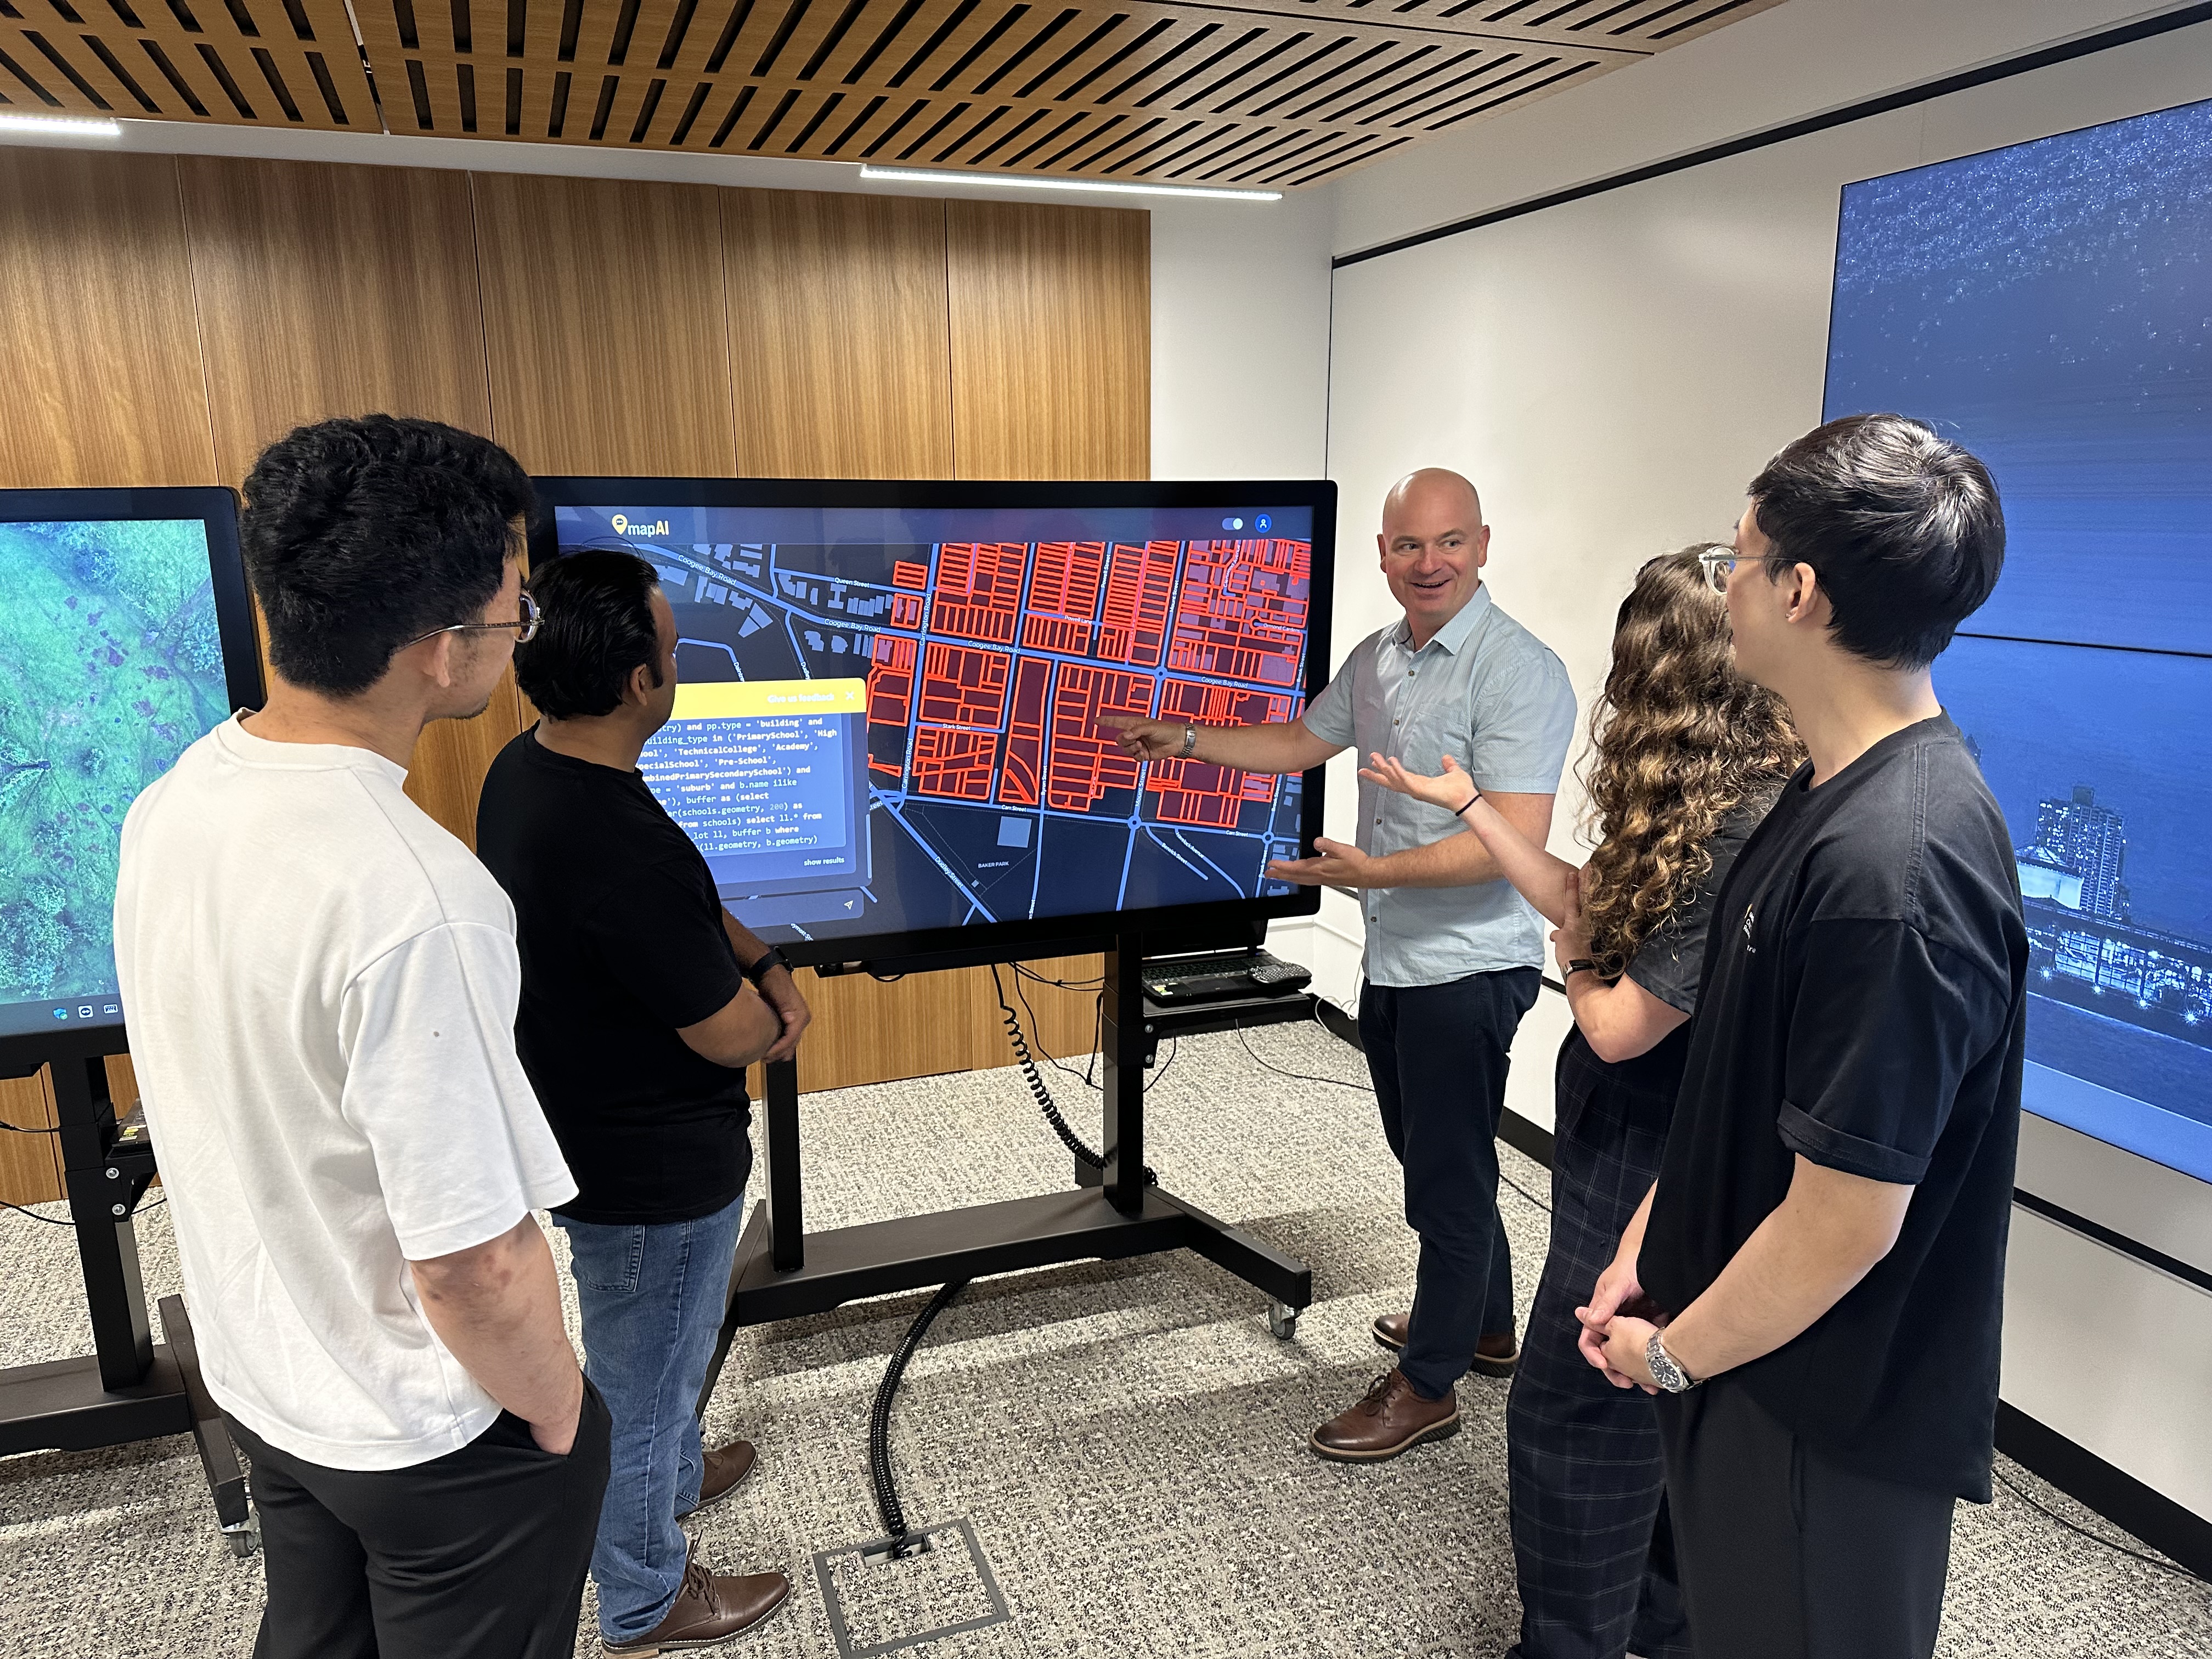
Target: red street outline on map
<point>999,702</point>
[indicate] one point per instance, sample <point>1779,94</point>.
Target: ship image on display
<point>2084,947</point>
<point>110,666</point>
<point>992,791</point>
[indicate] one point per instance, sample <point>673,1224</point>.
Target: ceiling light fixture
<point>1097,186</point>
<point>60,124</point>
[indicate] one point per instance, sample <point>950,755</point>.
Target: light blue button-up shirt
<point>1491,695</point>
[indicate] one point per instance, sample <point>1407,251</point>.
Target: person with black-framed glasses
<point>322,985</point>
<point>1815,1285</point>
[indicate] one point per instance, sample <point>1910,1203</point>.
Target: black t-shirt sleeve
<point>662,940</point>
<point>1885,1026</point>
<point>1673,958</point>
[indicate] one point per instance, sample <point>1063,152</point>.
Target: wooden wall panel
<point>97,343</point>
<point>158,326</point>
<point>346,290</point>
<point>1051,311</point>
<point>869,396</point>
<point>332,290</point>
<point>866,1031</point>
<point>604,324</point>
<point>30,1164</point>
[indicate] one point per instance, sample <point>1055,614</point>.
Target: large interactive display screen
<point>888,729</point>
<point>2050,305</point>
<point>126,634</point>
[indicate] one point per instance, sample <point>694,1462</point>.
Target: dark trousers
<point>479,1552</point>
<point>1787,1554</point>
<point>1592,1547</point>
<point>1438,1055</point>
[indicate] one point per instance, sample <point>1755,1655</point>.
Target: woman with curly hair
<point>1685,758</point>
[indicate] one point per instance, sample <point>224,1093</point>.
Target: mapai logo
<point>628,526</point>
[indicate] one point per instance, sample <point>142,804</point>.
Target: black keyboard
<point>1216,978</point>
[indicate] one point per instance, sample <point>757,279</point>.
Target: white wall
<point>1613,371</point>
<point>1240,390</point>
<point>1240,338</point>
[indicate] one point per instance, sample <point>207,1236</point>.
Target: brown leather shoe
<point>725,1466</point>
<point>1496,1355</point>
<point>1391,1419</point>
<point>709,1609</point>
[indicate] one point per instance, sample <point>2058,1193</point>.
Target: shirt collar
<point>1453,635</point>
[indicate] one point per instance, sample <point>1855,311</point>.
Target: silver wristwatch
<point>1189,743</point>
<point>1665,1371</point>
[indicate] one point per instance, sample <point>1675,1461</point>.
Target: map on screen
<point>111,663</point>
<point>889,720</point>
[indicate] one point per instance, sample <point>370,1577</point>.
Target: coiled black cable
<point>879,1423</point>
<point>1034,1078</point>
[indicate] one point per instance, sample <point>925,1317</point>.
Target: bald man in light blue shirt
<point>1453,952</point>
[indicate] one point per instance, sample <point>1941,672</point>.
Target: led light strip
<point>917,176</point>
<point>60,124</point>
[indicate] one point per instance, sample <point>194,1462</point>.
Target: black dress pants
<point>1784,1553</point>
<point>480,1554</point>
<point>1438,1054</point>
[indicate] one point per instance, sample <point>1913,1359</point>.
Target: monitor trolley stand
<point>783,1272</point>
<point>129,1387</point>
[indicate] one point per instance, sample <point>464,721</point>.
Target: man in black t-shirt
<point>1822,1259</point>
<point>642,1001</point>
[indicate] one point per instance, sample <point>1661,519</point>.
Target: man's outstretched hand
<point>1333,864</point>
<point>1143,739</point>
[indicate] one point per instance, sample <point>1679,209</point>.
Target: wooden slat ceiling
<point>1277,93</point>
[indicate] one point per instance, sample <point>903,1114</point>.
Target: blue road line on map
<point>716,645</point>
<point>1158,674</point>
<point>1155,837</point>
<point>934,858</point>
<point>1206,861</point>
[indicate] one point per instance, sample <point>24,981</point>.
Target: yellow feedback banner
<point>726,699</point>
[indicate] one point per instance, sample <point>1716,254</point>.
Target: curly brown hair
<point>1678,741</point>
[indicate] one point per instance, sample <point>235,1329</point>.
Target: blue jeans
<point>653,1298</point>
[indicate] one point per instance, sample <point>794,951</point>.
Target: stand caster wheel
<point>1282,1321</point>
<point>245,1538</point>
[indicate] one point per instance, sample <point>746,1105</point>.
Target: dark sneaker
<point>1391,1419</point>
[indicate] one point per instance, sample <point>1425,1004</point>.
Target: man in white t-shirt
<point>321,986</point>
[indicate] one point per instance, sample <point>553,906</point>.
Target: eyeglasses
<point>524,627</point>
<point>1719,563</point>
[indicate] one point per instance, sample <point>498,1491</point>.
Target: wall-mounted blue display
<point>2050,306</point>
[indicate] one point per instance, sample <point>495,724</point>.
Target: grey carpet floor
<point>1127,1438</point>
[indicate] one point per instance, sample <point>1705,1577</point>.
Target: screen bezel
<point>217,508</point>
<point>1317,495</point>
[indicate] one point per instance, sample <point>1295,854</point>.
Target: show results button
<point>723,699</point>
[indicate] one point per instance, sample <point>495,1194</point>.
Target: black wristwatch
<point>1578,965</point>
<point>758,970</point>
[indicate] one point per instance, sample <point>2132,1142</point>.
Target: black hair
<point>1903,528</point>
<point>594,626</point>
<point>362,534</point>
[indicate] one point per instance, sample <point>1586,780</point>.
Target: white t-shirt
<point>320,985</point>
